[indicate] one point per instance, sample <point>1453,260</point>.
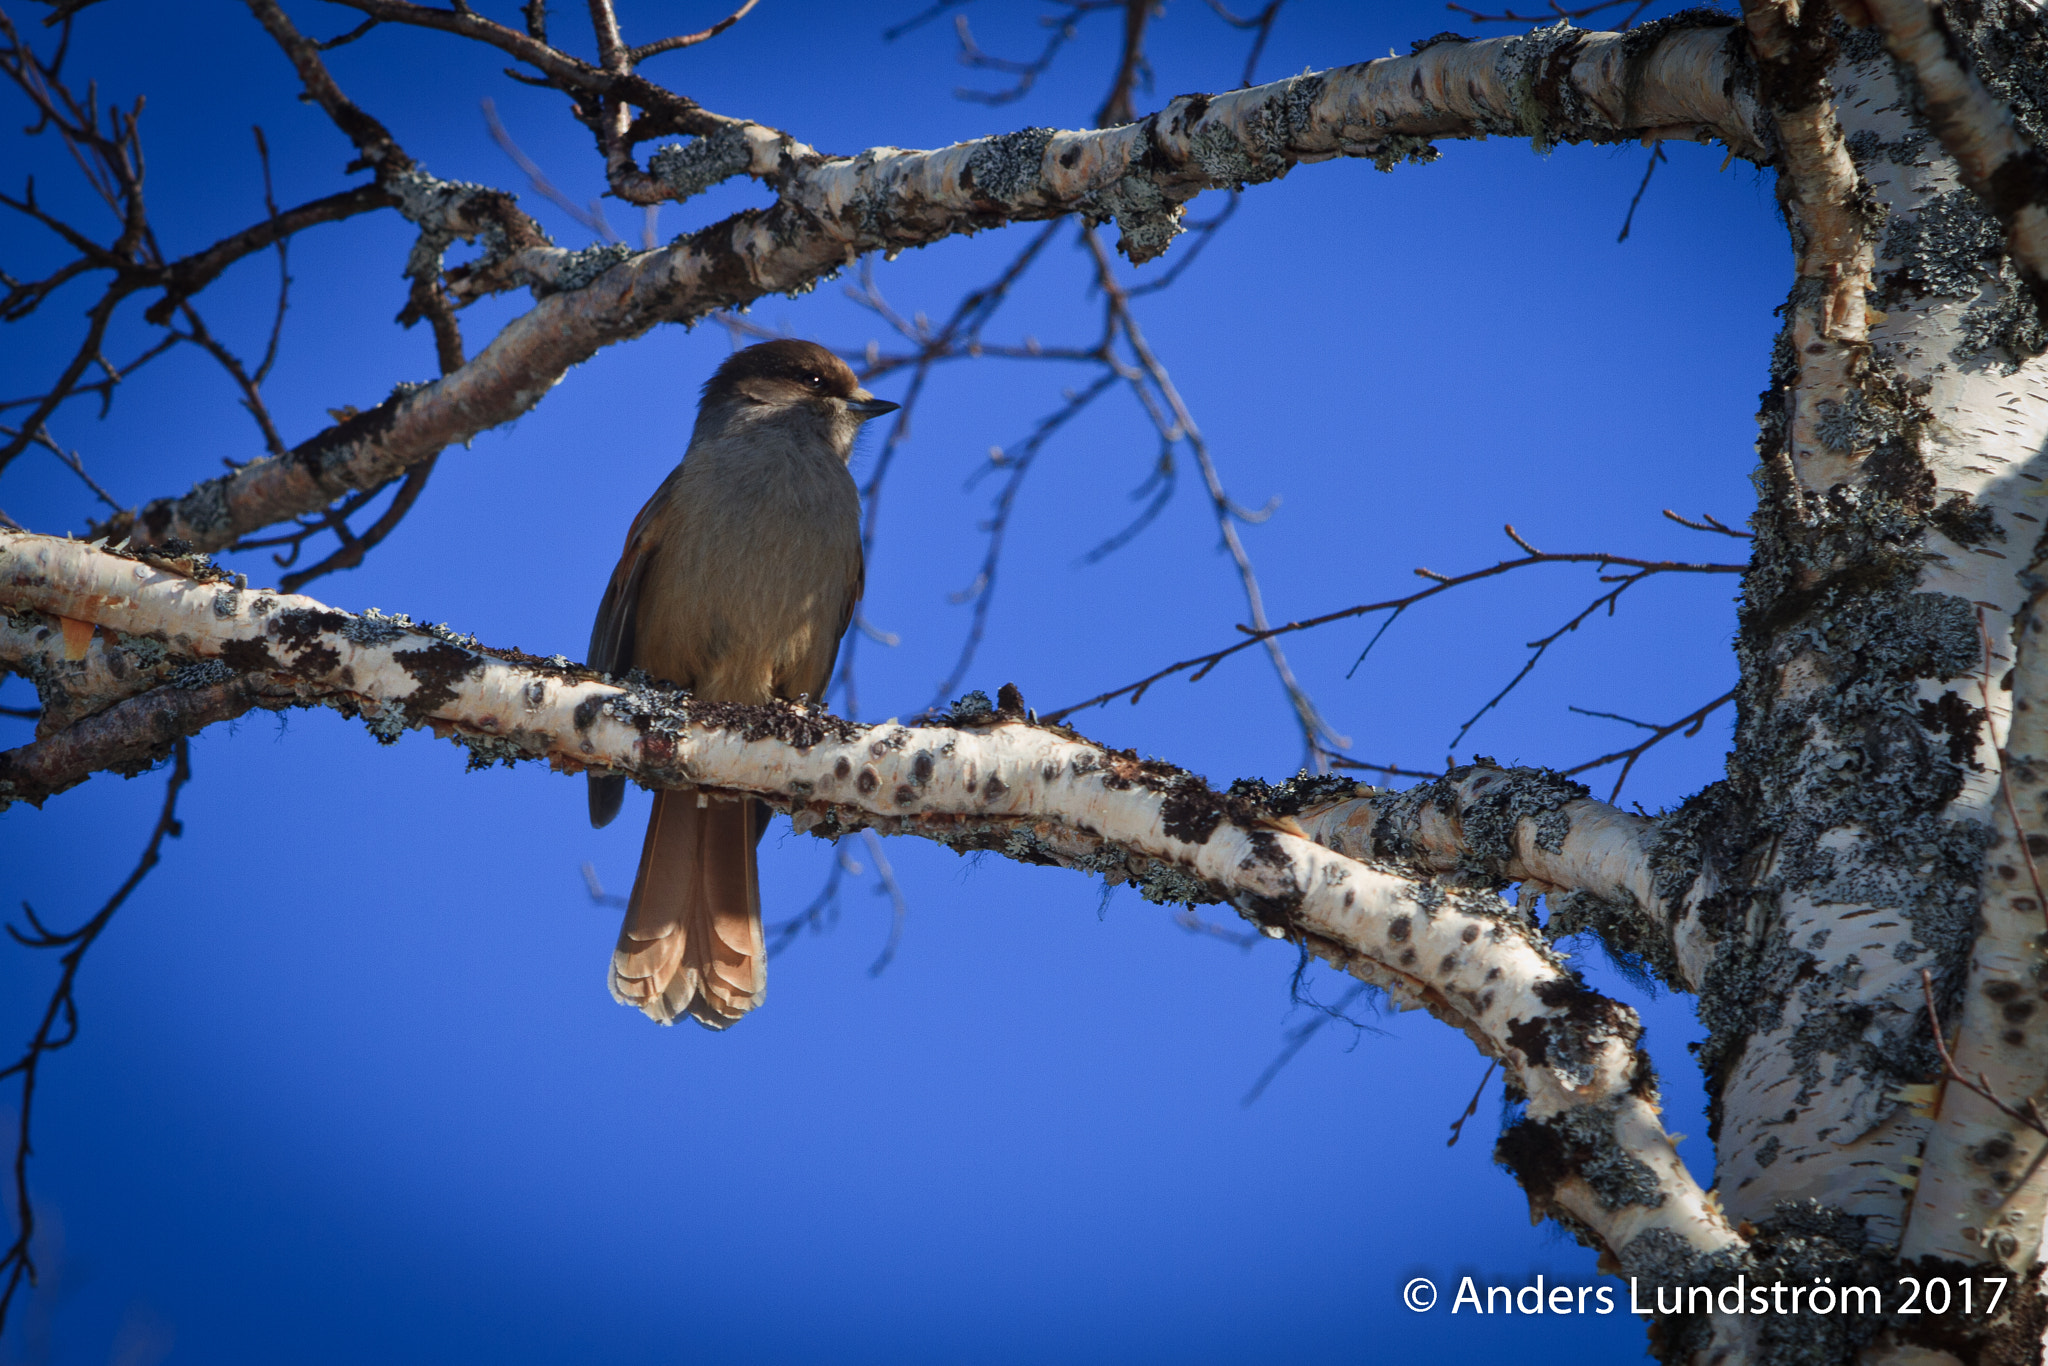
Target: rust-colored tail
<point>692,941</point>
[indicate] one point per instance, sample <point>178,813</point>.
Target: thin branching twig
<point>59,1024</point>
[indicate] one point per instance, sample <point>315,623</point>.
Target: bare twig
<point>1297,1039</point>
<point>899,904</point>
<point>1628,221</point>
<point>1261,24</point>
<point>1441,583</point>
<point>1472,1107</point>
<point>1708,522</point>
<point>1063,27</point>
<point>1554,11</point>
<point>590,216</point>
<point>59,1024</point>
<point>1688,725</point>
<point>2027,1113</point>
<point>640,54</point>
<point>2012,810</point>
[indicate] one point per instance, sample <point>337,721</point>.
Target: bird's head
<point>787,380</point>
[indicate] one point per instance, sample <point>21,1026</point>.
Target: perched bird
<point>737,581</point>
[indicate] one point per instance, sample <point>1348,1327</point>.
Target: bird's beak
<point>867,405</point>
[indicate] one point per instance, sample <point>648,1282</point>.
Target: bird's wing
<point>611,644</point>
<point>859,586</point>
<point>611,636</point>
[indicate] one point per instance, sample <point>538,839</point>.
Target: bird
<point>737,581</point>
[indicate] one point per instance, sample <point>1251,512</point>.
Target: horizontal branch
<point>128,738</point>
<point>1557,85</point>
<point>1589,1150</point>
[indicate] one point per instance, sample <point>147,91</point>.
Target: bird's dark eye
<point>815,381</point>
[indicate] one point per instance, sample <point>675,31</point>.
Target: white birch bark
<point>1808,1112</point>
<point>1591,1149</point>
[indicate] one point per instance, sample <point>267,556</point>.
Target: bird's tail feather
<point>692,941</point>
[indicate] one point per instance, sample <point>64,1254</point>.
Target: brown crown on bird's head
<point>789,371</point>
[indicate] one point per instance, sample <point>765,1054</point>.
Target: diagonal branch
<point>1600,87</point>
<point>2007,171</point>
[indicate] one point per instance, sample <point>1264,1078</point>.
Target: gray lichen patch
<point>1536,68</point>
<point>1146,219</point>
<point>1953,248</point>
<point>1007,167</point>
<point>488,751</point>
<point>580,268</point>
<point>375,628</point>
<point>437,208</point>
<point>1489,803</point>
<point>1262,149</point>
<point>202,674</point>
<point>693,167</point>
<point>1388,150</point>
<point>204,511</point>
<point>380,628</point>
<point>387,721</point>
<point>1576,1144</point>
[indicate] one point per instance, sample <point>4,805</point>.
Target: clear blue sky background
<point>349,1087</point>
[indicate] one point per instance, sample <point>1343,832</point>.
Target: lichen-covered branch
<point>1628,878</point>
<point>1995,158</point>
<point>1676,80</point>
<point>1589,1150</point>
<point>1830,212</point>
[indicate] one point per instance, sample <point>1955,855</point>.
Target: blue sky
<point>349,1085</point>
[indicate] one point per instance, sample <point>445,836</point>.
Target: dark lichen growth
<point>1577,1143</point>
<point>579,268</point>
<point>1638,946</point>
<point>1569,1042</point>
<point>1489,803</point>
<point>1297,794</point>
<point>1953,248</point>
<point>1434,40</point>
<point>967,710</point>
<point>1839,789</point>
<point>1003,169</point>
<point>203,674</point>
<point>691,168</point>
<point>1967,522</point>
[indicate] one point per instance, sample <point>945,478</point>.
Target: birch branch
<point>1626,877</point>
<point>1831,211</point>
<point>2009,173</point>
<point>1685,79</point>
<point>1589,1151</point>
